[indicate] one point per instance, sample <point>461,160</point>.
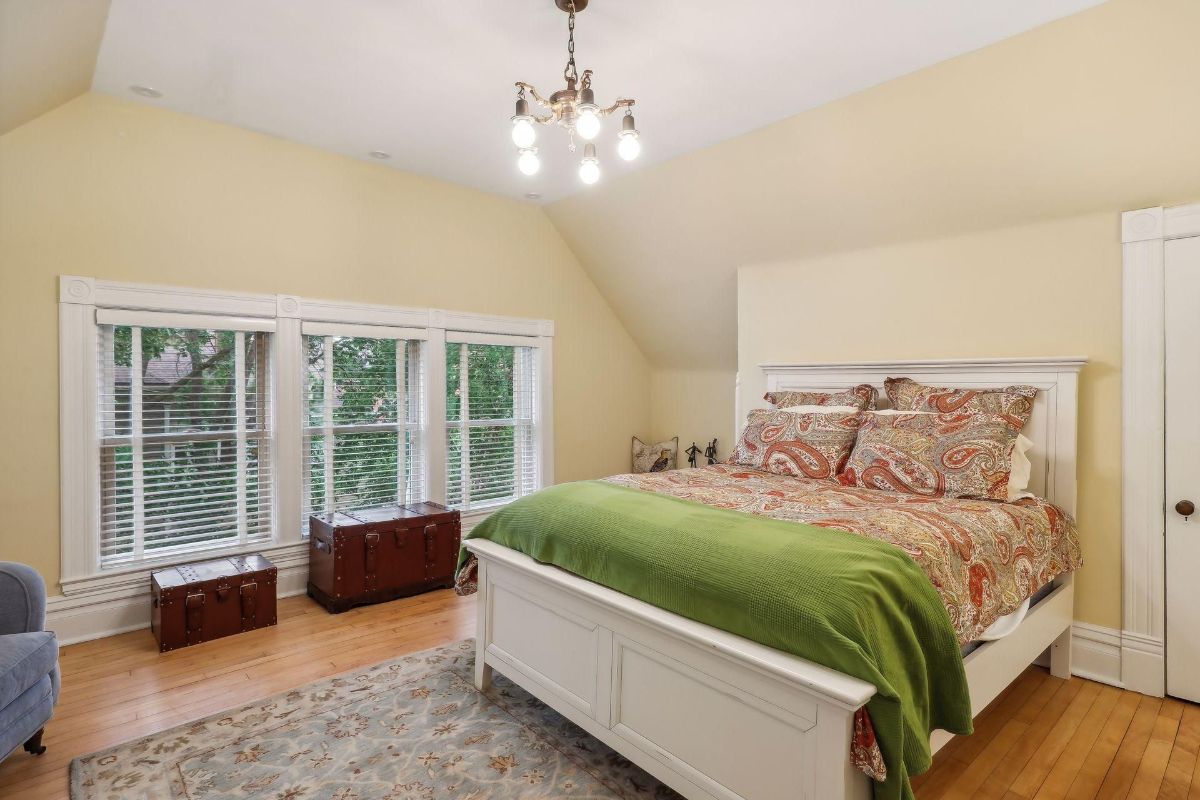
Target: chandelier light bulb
<point>628,146</point>
<point>523,133</point>
<point>588,124</point>
<point>589,168</point>
<point>528,161</point>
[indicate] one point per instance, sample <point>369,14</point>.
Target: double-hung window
<point>197,423</point>
<point>492,432</point>
<point>363,417</point>
<point>185,434</point>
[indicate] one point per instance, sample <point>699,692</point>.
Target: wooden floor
<point>1043,738</point>
<point>1048,738</point>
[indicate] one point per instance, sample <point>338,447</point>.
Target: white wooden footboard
<point>710,714</point>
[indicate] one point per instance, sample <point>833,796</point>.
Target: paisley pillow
<point>860,397</point>
<point>1015,403</point>
<point>934,455</point>
<point>810,445</point>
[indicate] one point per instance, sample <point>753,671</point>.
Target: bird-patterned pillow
<point>655,457</point>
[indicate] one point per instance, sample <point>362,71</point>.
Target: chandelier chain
<point>569,73</point>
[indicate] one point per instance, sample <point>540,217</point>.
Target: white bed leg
<point>483,674</point>
<point>1060,655</point>
<point>483,671</point>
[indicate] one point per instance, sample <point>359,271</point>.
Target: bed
<point>715,715</point>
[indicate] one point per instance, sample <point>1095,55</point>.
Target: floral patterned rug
<point>413,728</point>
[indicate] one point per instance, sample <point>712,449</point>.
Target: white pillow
<point>1020,468</point>
<point>821,409</point>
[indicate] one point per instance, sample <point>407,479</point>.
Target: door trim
<point>1143,440</point>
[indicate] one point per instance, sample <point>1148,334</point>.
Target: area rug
<point>413,728</point>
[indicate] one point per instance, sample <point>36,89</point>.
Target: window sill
<point>121,580</point>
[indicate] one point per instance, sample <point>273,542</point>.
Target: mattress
<point>985,558</point>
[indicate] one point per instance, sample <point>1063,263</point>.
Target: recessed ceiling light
<point>533,195</point>
<point>379,154</point>
<point>145,91</point>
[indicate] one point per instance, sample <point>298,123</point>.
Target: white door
<point>1183,467</point>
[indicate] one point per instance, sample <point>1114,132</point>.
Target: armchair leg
<point>34,745</point>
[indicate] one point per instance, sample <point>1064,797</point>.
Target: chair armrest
<point>22,599</point>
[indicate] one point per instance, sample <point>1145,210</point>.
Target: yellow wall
<point>695,405</point>
<point>1051,289</point>
<point>126,192</point>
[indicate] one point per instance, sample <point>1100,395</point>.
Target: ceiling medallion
<point>574,108</point>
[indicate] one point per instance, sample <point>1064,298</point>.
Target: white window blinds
<point>363,413</point>
<point>185,437</point>
<point>491,424</point>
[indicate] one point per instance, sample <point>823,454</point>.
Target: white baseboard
<point>1143,663</point>
<point>93,615</point>
<point>1096,653</point>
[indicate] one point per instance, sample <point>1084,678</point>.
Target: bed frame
<point>714,715</point>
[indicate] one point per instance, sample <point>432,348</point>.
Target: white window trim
<point>80,298</point>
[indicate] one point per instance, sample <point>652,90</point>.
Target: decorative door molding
<point>1143,442</point>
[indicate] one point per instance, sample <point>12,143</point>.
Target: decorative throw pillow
<point>934,455</point>
<point>1013,402</point>
<point>811,445</point>
<point>655,457</point>
<point>860,397</point>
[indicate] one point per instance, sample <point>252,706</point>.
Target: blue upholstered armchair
<point>28,660</point>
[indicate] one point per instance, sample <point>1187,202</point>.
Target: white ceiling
<point>430,81</point>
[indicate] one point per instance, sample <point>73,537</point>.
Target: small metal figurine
<point>692,453</point>
<point>710,452</point>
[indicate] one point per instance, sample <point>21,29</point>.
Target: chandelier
<point>574,109</point>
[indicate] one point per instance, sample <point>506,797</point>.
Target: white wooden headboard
<point>1052,426</point>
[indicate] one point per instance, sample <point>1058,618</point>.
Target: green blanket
<point>848,602</point>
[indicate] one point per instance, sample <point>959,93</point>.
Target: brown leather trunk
<point>378,554</point>
<point>196,603</point>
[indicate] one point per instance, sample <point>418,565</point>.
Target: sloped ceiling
<point>431,82</point>
<point>47,54</point>
<point>1083,114</point>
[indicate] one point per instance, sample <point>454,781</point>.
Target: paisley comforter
<point>983,557</point>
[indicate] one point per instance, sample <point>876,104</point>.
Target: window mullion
<point>135,434</point>
<point>239,395</point>
<point>464,415</point>
<point>519,370</point>
<point>327,412</point>
<point>401,422</point>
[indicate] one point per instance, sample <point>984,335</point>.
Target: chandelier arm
<point>537,98</point>
<point>621,102</point>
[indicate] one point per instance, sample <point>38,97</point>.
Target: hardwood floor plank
<point>1044,716</point>
<point>1129,756</point>
<point>1099,758</point>
<point>1056,740</point>
<point>1153,766</point>
<point>977,771</point>
<point>1060,777</point>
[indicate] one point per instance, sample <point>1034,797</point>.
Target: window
<point>363,421</point>
<point>491,430</point>
<point>196,424</point>
<point>185,439</point>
